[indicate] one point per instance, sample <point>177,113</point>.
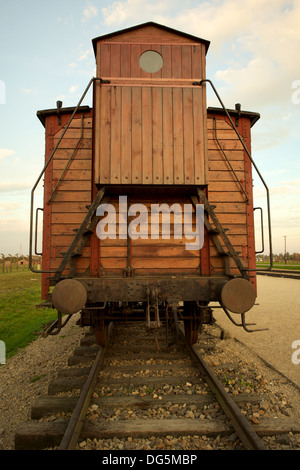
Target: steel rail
<point>72,432</point>
<point>242,427</point>
<point>280,273</point>
<point>285,271</point>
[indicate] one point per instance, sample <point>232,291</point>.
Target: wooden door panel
<point>151,135</point>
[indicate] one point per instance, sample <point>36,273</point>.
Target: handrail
<point>253,163</point>
<point>262,230</point>
<point>68,162</point>
<point>36,226</point>
<point>225,156</point>
<point>42,173</point>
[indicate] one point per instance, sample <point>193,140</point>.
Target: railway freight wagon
<point>148,203</point>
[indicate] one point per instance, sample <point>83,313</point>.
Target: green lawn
<point>295,267</point>
<point>20,292</point>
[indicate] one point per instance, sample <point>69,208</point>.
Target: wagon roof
<point>254,117</point>
<point>146,25</point>
<point>42,114</point>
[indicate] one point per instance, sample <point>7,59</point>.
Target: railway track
<point>131,390</point>
<point>288,274</point>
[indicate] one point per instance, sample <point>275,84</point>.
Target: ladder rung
<point>88,231</point>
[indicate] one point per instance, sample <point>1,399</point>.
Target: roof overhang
<point>43,114</point>
<point>150,23</point>
<point>253,117</point>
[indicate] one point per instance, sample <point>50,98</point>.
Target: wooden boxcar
<point>148,142</point>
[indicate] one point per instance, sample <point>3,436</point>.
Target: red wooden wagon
<point>119,177</point>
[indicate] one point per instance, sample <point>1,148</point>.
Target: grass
<point>20,292</point>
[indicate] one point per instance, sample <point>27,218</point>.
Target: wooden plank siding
<point>72,171</point>
<point>233,208</point>
<point>150,255</point>
<point>153,136</point>
<point>147,256</point>
<point>150,126</point>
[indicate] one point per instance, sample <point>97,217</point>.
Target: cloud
<point>26,91</point>
<point>4,153</point>
<point>284,190</point>
<point>89,12</point>
<point>84,55</point>
<point>13,186</point>
<point>8,207</point>
<point>73,65</point>
<point>136,11</point>
<point>262,64</point>
<point>254,43</point>
<point>14,226</point>
<point>272,135</point>
<point>84,60</point>
<point>288,188</point>
<point>73,88</point>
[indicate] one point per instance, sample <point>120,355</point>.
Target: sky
<point>46,55</point>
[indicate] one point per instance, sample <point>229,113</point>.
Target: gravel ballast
<point>26,376</point>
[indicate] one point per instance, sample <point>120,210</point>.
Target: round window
<point>151,61</point>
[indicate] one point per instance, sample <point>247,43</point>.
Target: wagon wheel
<point>193,324</point>
<point>191,329</point>
<point>101,328</point>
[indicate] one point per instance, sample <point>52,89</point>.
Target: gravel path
<point>26,376</point>
<point>279,311</point>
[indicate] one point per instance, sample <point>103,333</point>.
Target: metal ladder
<point>217,231</point>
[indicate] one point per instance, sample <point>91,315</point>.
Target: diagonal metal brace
<point>80,233</point>
<point>222,233</point>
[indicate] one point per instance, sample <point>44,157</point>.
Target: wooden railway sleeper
<point>242,427</point>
